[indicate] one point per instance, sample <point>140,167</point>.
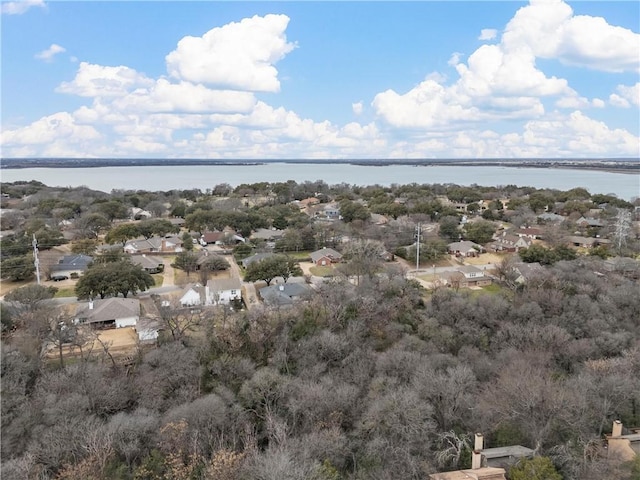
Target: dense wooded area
<point>374,379</point>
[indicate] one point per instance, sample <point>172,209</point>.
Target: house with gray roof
<point>150,264</point>
<point>109,312</point>
<point>551,217</point>
<point>465,249</point>
<point>284,294</point>
<point>256,257</point>
<point>510,243</point>
<point>167,244</point>
<point>325,256</point>
<point>193,294</point>
<point>223,291</point>
<point>71,265</point>
<point>267,234</point>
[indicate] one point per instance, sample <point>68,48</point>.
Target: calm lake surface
<point>626,186</point>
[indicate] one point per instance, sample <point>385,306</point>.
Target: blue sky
<point>478,79</point>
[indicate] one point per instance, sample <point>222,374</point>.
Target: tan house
<point>624,447</point>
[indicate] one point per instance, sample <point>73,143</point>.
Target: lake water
<point>626,186</point>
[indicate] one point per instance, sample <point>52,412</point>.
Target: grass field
<point>158,279</point>
<point>299,255</point>
<point>65,292</point>
<point>322,271</point>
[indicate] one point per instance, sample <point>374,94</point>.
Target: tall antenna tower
<point>418,247</point>
<point>36,262</point>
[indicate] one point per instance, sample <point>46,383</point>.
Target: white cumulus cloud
<point>357,108</point>
<point>238,55</point>
<point>488,34</point>
<point>550,30</point>
<point>99,81</point>
<point>626,96</point>
<point>21,6</point>
<point>48,54</point>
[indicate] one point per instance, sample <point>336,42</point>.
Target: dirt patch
<point>118,339</point>
<point>6,286</point>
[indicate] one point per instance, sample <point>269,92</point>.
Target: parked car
<point>59,278</point>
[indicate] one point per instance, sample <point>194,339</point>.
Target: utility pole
<point>36,262</point>
<point>418,247</point>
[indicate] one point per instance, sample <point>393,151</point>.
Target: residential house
<point>193,294</point>
<point>177,221</point>
<point>330,211</point>
<point>212,238</point>
<point>167,244</point>
<point>525,272</point>
<point>478,470</point>
<point>148,329</point>
<point>466,276</point>
<point>551,218</point>
<point>586,242</point>
<point>267,234</point>
<point>109,312</point>
<point>325,256</point>
<point>465,249</point>
<point>256,257</point>
<point>284,294</point>
<point>150,264</point>
<point>217,291</point>
<point>138,213</point>
<point>223,291</point>
<point>482,473</point>
<point>529,232</point>
<point>586,222</point>
<point>510,243</point>
<point>499,457</point>
<point>70,265</point>
<point>220,238</point>
<point>624,447</point>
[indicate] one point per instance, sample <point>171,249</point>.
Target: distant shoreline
<point>622,166</point>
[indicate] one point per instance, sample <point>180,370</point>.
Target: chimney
<point>479,442</point>
<point>281,288</point>
<point>91,305</point>
<point>476,455</point>
<point>476,460</point>
<point>617,429</point>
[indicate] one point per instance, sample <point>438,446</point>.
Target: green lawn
<point>299,255</point>
<point>322,271</point>
<point>158,279</point>
<point>65,292</point>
